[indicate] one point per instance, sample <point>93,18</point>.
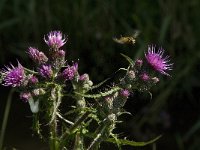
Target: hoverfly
<point>127,39</point>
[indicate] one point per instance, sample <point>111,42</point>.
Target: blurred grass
<point>5,118</point>
<point>91,25</point>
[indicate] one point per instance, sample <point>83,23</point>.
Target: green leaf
<point>132,143</point>
<point>131,62</point>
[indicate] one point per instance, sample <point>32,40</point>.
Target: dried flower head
<point>37,56</point>
<point>55,39</point>
<point>13,76</point>
<point>157,61</point>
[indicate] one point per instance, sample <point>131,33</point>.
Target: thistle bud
<point>131,75</point>
<point>155,80</point>
<point>144,77</point>
<point>25,96</point>
<point>139,63</point>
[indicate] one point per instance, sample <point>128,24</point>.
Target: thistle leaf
<point>131,62</point>
<point>132,143</point>
<point>99,84</point>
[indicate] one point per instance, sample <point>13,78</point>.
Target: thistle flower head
<point>84,77</point>
<point>55,39</point>
<point>13,76</point>
<point>125,93</point>
<point>157,61</point>
<point>37,56</point>
<point>45,71</point>
<point>139,62</point>
<point>70,71</point>
<point>25,96</point>
<point>144,77</point>
<point>33,79</point>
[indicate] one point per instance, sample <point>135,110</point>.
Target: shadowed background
<point>90,26</point>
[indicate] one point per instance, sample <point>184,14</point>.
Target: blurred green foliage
<point>91,25</point>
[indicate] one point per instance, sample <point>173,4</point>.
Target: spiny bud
<point>84,77</point>
<point>25,96</point>
<point>33,80</point>
<point>131,74</point>
<point>38,91</point>
<point>124,93</point>
<point>155,80</point>
<point>139,63</point>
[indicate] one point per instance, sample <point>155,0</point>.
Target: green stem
<point>79,121</point>
<point>53,135</point>
<point>56,97</point>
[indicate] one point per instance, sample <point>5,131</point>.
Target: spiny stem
<point>97,140</point>
<point>56,97</point>
<point>79,121</point>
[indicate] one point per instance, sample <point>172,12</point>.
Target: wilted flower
<point>37,56</point>
<point>45,71</point>
<point>144,77</point>
<point>13,76</point>
<point>55,39</point>
<point>156,60</point>
<point>70,71</point>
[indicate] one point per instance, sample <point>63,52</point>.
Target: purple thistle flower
<point>144,77</point>
<point>45,71</point>
<point>70,71</point>
<point>25,96</point>
<point>13,76</point>
<point>37,56</point>
<point>125,93</point>
<point>55,39</point>
<point>156,60</point>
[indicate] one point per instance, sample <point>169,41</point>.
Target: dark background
<point>90,26</point>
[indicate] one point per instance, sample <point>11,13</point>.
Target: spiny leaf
<point>132,143</point>
<point>98,85</point>
<point>101,94</point>
<point>128,59</point>
<point>117,141</point>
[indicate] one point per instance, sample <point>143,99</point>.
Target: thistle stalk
<point>56,97</point>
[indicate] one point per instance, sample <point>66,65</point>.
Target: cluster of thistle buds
<point>49,68</point>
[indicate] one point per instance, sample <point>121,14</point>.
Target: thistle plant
<point>95,111</point>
